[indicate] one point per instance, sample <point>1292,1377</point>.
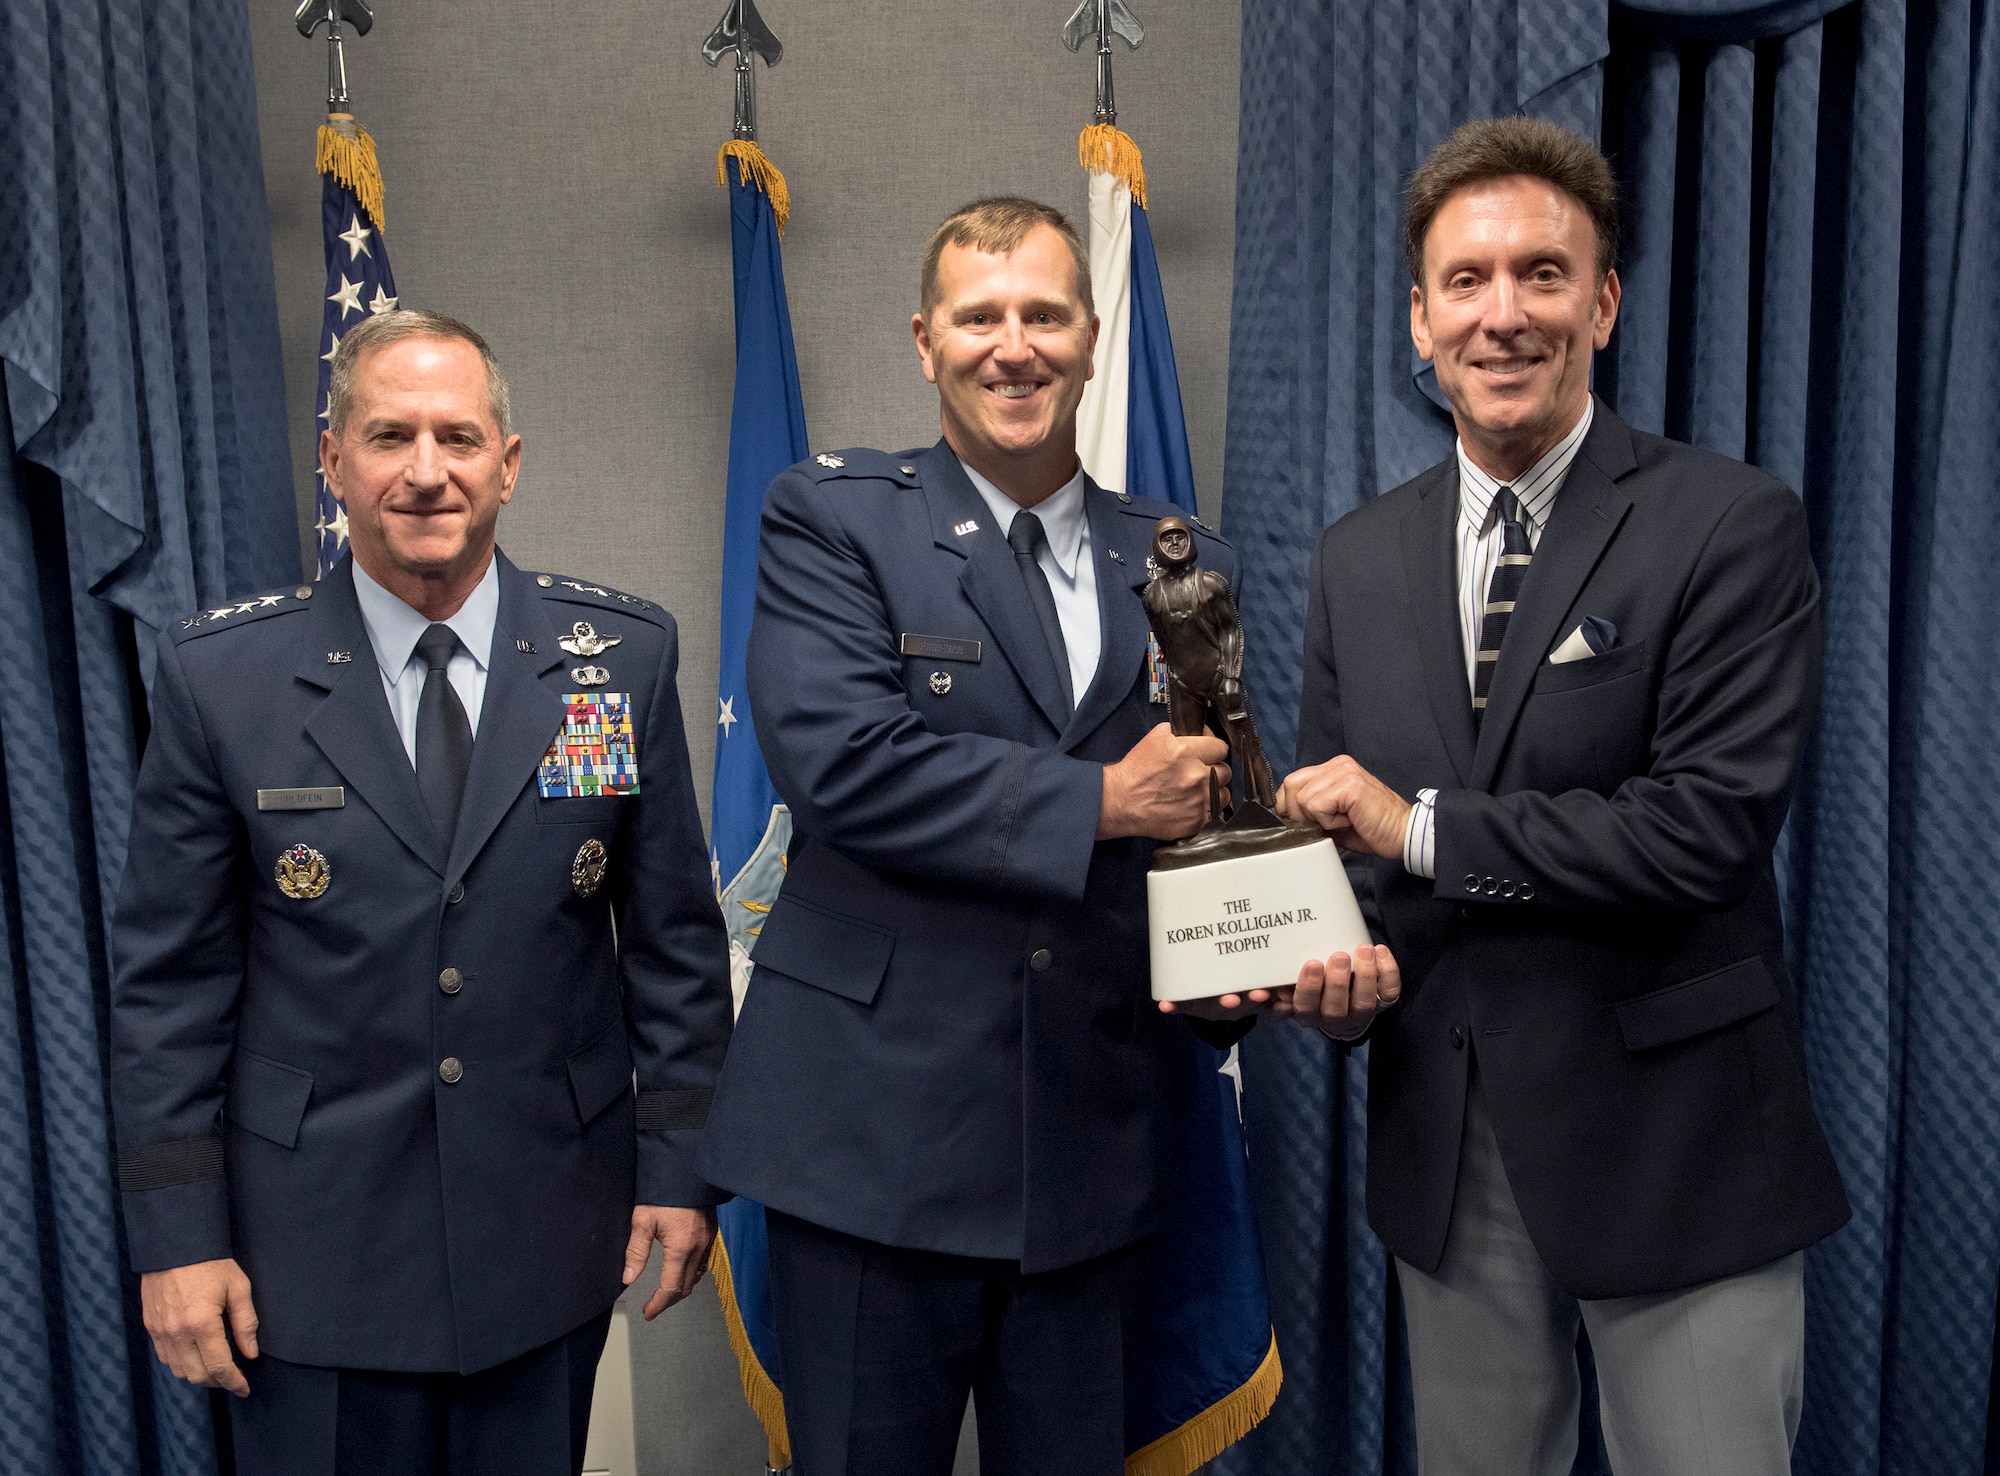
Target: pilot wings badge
<point>584,640</point>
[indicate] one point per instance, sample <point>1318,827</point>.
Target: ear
<point>329,461</point>
<point>1090,359</point>
<point>1420,325</point>
<point>920,328</point>
<point>1608,297</point>
<point>510,468</point>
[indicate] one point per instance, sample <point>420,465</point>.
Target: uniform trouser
<point>1702,1382</point>
<point>525,1417</point>
<point>881,1346</point>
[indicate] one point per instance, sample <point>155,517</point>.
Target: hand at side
<point>185,1308</point>
<point>685,1236</point>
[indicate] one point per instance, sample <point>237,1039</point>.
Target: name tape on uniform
<point>940,648</point>
<point>325,797</point>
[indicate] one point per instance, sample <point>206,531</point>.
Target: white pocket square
<point>1593,637</point>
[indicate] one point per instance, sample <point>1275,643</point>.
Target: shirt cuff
<point>1420,836</point>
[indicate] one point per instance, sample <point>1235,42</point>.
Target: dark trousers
<point>880,1348</point>
<point>525,1417</point>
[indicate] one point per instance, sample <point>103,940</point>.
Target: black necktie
<point>444,737</point>
<point>1024,537</point>
<point>1508,576</point>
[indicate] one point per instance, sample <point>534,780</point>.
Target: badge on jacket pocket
<point>596,751</point>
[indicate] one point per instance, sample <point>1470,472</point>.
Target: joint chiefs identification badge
<point>586,872</point>
<point>302,873</point>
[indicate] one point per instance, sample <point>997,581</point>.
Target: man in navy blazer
<point>416,885</point>
<point>948,1081</point>
<point>1556,688</point>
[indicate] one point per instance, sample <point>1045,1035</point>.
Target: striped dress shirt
<point>1478,537</point>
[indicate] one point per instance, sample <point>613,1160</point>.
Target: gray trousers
<point>1702,1382</point>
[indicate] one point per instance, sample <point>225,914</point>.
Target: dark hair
<point>1494,148</point>
<point>999,226</point>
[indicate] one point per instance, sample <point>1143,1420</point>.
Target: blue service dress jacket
<point>948,1042</point>
<point>402,1095</point>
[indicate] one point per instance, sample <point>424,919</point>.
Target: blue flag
<point>1157,463</point>
<point>359,285</point>
<point>748,827</point>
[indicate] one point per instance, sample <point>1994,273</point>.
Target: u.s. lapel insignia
<point>584,640</point>
<point>339,658</point>
<point>586,872</point>
<point>970,525</point>
<point>828,459</point>
<point>526,648</point>
<point>940,682</point>
<point>302,873</point>
<point>589,676</point>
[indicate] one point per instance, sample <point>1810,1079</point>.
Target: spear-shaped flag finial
<point>1099,21</point>
<point>333,14</point>
<point>742,31</point>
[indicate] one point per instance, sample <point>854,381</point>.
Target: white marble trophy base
<point>1249,922</point>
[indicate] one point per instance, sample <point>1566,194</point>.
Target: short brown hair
<point>999,226</point>
<point>1494,148</point>
<point>394,326</point>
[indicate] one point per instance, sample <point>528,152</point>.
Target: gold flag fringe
<point>756,168</point>
<point>347,152</point>
<point>1105,148</point>
<point>1183,1451</point>
<point>766,1402</point>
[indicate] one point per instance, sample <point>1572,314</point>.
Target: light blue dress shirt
<point>393,629</point>
<point>1065,557</point>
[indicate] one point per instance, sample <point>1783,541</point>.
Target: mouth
<point>1511,367</point>
<point>1015,389</point>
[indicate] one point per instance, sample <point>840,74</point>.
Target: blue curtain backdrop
<point>1811,199</point>
<point>143,469</point>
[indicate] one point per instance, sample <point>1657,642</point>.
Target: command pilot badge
<point>584,640</point>
<point>303,873</point>
<point>586,872</point>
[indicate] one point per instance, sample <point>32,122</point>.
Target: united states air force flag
<point>358,281</point>
<point>748,828</point>
<point>1201,1360</point>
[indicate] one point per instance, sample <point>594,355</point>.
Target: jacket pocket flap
<point>267,1097</point>
<point>1567,676</point>
<point>1697,1006</point>
<point>841,955</point>
<point>600,1073</point>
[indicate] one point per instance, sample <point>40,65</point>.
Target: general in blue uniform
<point>379,1057</point>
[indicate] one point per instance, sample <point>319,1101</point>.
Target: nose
<point>1506,312</point>
<point>426,469</point>
<point>1012,345</point>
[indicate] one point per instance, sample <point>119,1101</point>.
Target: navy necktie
<point>1025,536</point>
<point>1509,574</point>
<point>444,737</point>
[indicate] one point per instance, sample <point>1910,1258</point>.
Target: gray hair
<point>383,329</point>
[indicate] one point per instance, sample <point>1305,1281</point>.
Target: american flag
<point>358,284</point>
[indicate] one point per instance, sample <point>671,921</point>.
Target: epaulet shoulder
<point>861,463</point>
<point>234,614</point>
<point>567,590</point>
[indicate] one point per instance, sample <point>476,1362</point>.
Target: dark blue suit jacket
<point>276,1059</point>
<point>948,1041</point>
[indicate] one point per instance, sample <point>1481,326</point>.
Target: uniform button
<point>451,1069</point>
<point>1491,886</point>
<point>1040,960</point>
<point>1471,882</point>
<point>456,894</point>
<point>1526,892</point>
<point>1457,1042</point>
<point>1507,887</point>
<point>451,981</point>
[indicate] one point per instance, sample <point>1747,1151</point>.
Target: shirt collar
<point>1061,512</point>
<point>393,627</point>
<point>1536,487</point>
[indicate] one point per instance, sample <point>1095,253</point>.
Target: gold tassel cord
<point>347,152</point>
<point>756,168</point>
<point>1105,148</point>
<point>1182,1451</point>
<point>766,1402</point>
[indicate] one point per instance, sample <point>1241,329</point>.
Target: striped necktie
<point>1510,572</point>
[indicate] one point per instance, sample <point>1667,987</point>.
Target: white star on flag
<point>349,297</point>
<point>356,236</point>
<point>728,717</point>
<point>339,525</point>
<point>332,347</point>
<point>383,303</point>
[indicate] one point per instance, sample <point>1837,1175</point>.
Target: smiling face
<point>422,470</point>
<point>1510,311</point>
<point>1008,345</point>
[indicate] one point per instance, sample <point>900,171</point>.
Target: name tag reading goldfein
<point>596,752</point>
<point>940,648</point>
<point>323,797</point>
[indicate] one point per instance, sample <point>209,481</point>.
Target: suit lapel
<point>352,725</point>
<point>1586,514</point>
<point>1121,617</point>
<point>991,580</point>
<point>518,717</point>
<point>1430,564</point>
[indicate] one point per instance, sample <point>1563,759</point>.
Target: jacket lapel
<point>1430,564</point>
<point>1586,514</point>
<point>352,725</point>
<point>991,580</point>
<point>1121,616</point>
<point>518,718</point>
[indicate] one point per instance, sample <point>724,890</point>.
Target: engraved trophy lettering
<point>1247,899</point>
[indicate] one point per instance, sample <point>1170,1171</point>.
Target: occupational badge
<point>303,873</point>
<point>586,872</point>
<point>940,682</point>
<point>583,640</point>
<point>589,676</point>
<point>596,752</point>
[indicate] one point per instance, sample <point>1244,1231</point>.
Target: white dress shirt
<point>1065,557</point>
<point>393,630</point>
<point>1478,549</point>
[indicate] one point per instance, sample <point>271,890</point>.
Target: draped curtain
<point>143,469</point>
<point>1810,189</point>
